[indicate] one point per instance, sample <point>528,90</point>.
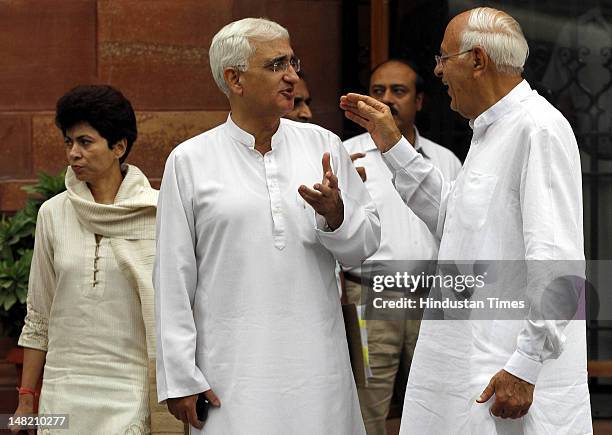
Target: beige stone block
<point>160,59</point>
<point>15,150</point>
<point>160,132</point>
<point>46,47</point>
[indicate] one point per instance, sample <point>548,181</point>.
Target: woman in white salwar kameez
<point>90,297</point>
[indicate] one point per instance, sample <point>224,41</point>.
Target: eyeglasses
<point>440,59</point>
<point>281,65</point>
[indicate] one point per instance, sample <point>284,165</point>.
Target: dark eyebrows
<point>78,138</point>
<point>392,86</point>
<point>277,59</point>
<point>284,58</point>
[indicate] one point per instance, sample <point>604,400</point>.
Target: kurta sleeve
<point>551,205</point>
<point>420,185</point>
<point>175,279</point>
<point>41,286</point>
<point>358,236</point>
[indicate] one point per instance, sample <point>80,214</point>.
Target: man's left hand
<point>325,198</point>
<point>513,396</point>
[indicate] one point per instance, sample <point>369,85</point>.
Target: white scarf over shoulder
<point>129,223</point>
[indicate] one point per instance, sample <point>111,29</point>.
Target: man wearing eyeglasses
<point>518,197</point>
<point>248,312</point>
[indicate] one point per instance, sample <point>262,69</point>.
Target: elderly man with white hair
<point>248,313</point>
<point>518,197</point>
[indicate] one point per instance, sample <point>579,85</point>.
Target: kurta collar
<point>503,106</point>
<point>238,134</point>
<point>247,139</point>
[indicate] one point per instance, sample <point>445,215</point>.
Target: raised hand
<point>374,116</point>
<point>325,198</point>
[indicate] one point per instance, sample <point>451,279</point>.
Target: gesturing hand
<point>513,396</point>
<point>374,116</point>
<point>325,198</point>
<point>360,169</point>
<point>184,408</point>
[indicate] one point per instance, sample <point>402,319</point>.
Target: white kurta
<point>93,332</point>
<point>518,197</point>
<point>247,302</point>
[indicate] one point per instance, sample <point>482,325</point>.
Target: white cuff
<point>523,367</point>
<point>197,388</point>
<point>399,155</point>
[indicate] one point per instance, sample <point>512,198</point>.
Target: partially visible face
<point>456,71</point>
<point>394,84</point>
<point>88,153</point>
<point>266,92</point>
<point>301,103</point>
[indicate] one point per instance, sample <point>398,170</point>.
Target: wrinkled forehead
<point>393,73</point>
<point>81,128</point>
<point>268,50</point>
<point>452,35</point>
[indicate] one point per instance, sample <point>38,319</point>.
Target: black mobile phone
<point>202,407</point>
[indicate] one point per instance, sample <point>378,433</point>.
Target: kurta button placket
<point>278,221</point>
<point>95,280</point>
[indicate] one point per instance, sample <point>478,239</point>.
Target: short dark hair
<point>419,82</point>
<point>104,108</point>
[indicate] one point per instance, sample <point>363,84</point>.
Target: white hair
<point>232,46</point>
<point>500,36</point>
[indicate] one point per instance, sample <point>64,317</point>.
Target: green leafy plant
<point>16,245</point>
